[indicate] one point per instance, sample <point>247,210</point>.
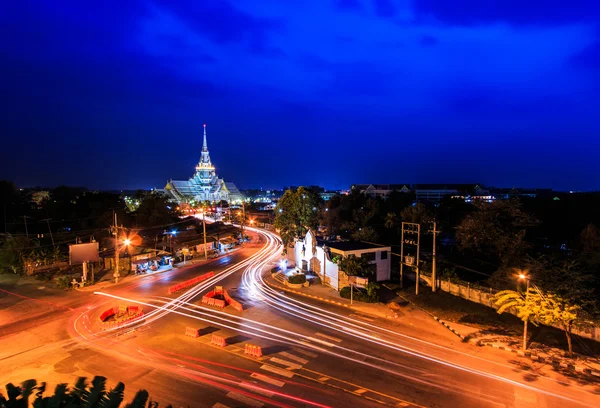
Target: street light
<point>522,276</point>
<point>127,241</point>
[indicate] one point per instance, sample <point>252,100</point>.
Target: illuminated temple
<point>204,184</point>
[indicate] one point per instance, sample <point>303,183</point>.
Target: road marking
<point>254,388</point>
<point>268,380</point>
<point>219,405</point>
<point>293,357</point>
<point>323,379</point>
<point>358,316</point>
<point>277,370</point>
<point>286,363</point>
<point>323,342</point>
<point>246,400</point>
<point>360,391</point>
<point>329,337</point>
<point>403,404</point>
<point>306,353</point>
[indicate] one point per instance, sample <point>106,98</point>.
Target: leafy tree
<point>94,396</point>
<point>365,234</point>
<point>155,210</point>
<point>296,212</point>
<point>419,214</point>
<point>355,266</point>
<point>496,229</point>
<point>13,253</point>
<point>542,308</point>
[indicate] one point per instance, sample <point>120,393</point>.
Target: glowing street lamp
<point>127,241</point>
<point>522,276</point>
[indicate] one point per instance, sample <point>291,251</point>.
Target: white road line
<point>257,390</point>
<point>246,400</point>
<point>323,342</point>
<point>293,357</point>
<point>277,370</point>
<point>329,337</point>
<point>358,316</point>
<point>268,380</point>
<point>306,353</point>
<point>285,363</point>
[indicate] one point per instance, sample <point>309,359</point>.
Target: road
<point>314,355</point>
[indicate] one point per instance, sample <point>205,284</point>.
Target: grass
<point>456,309</point>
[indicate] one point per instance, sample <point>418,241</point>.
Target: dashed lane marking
<point>268,380</point>
<point>250,402</point>
<point>293,357</point>
<point>257,390</point>
<point>362,317</point>
<point>306,353</point>
<point>323,342</point>
<point>277,370</point>
<point>285,363</point>
<point>329,337</point>
<point>323,379</point>
<point>360,391</point>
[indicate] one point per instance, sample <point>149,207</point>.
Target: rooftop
<point>352,245</point>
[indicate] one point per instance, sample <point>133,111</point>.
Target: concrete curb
<point>447,326</point>
<point>555,362</point>
<point>394,315</point>
<point>307,295</point>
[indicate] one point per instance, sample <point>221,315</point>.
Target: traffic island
<point>118,316</point>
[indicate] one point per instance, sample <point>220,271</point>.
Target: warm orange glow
<point>521,276</point>
<point>127,241</point>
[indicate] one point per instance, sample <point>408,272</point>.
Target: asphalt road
<point>313,354</point>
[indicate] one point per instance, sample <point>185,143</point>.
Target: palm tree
<point>80,396</point>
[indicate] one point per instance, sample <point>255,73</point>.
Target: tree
<point>496,229</point>
<point>94,396</point>
<point>365,234</point>
<point>541,308</point>
<point>13,253</point>
<point>418,213</point>
<point>155,210</point>
<point>355,266</point>
<point>296,212</point>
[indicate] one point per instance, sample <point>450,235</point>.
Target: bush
<point>297,279</point>
<point>63,282</point>
<point>358,295</point>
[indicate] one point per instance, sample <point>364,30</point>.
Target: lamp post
<point>526,278</point>
<point>204,235</point>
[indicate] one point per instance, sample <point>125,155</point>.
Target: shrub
<point>358,295</point>
<point>63,282</point>
<point>297,279</point>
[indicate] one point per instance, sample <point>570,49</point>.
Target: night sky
<point>504,93</point>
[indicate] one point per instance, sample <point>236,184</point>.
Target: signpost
<point>358,282</point>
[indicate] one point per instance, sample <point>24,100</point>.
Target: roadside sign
<point>358,281</point>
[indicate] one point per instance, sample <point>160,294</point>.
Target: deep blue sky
<point>504,93</point>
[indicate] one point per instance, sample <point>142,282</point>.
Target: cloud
<point>428,41</point>
<point>384,8</point>
<point>348,5</point>
<point>223,24</point>
<point>589,58</point>
<point>515,12</point>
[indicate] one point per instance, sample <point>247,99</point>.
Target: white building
<point>309,255</point>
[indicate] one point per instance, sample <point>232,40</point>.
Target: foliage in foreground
<point>542,308</point>
<point>82,395</point>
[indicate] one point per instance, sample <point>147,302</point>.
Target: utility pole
<point>25,221</point>
<point>116,232</point>
<point>204,235</point>
<point>434,259</point>
<point>411,228</point>
<point>49,230</point>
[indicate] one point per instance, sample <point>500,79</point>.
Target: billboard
<point>80,253</point>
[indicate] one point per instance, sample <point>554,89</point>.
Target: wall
<point>485,297</point>
<point>384,266</point>
<point>317,261</point>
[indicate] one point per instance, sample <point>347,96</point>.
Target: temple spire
<point>204,145</point>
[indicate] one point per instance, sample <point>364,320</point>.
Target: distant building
<point>204,184</point>
<point>310,255</point>
<point>506,193</point>
<point>380,190</point>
